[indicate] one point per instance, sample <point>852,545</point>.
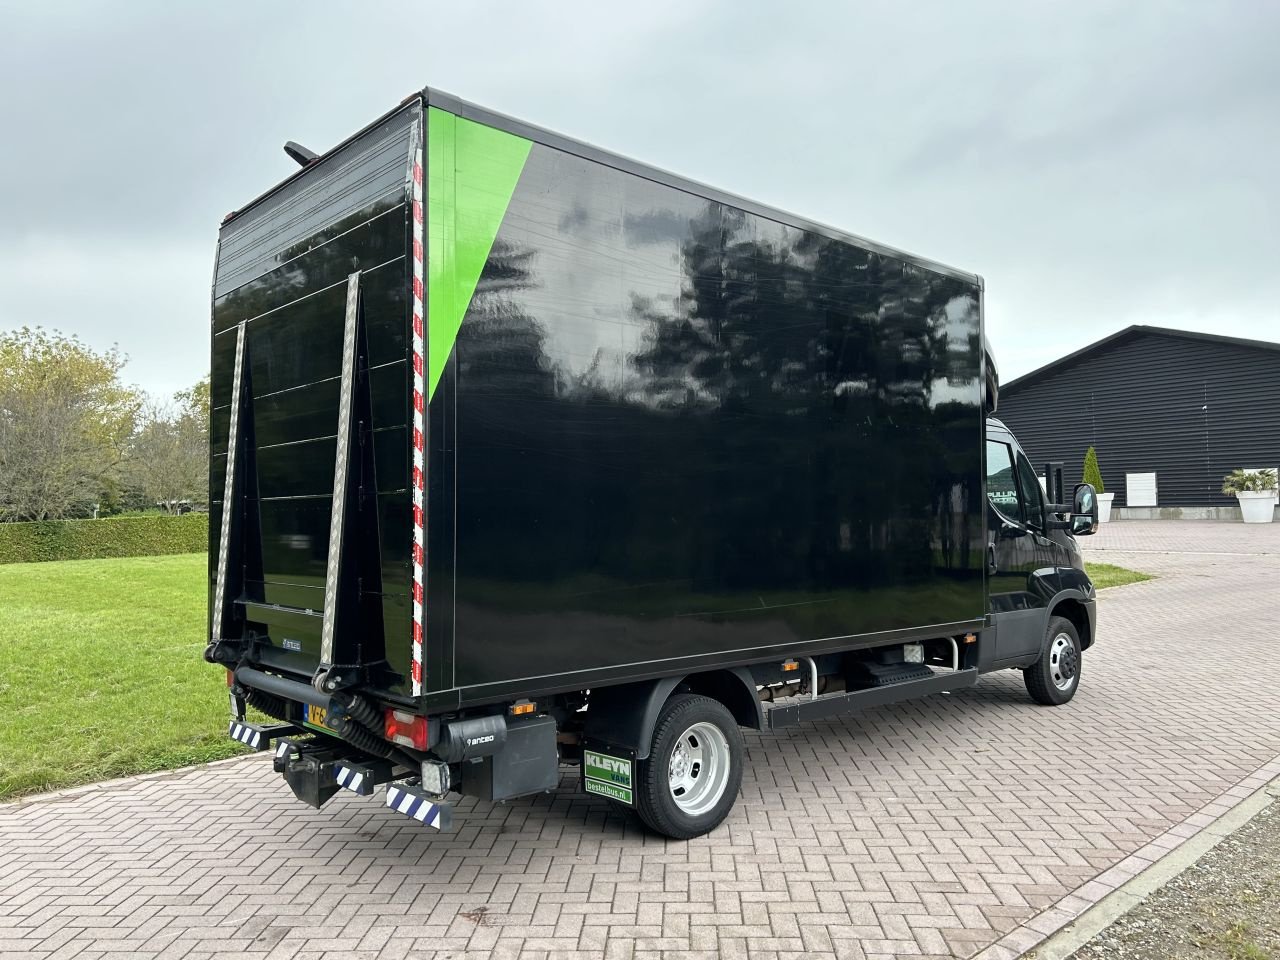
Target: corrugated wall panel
<point>1189,410</point>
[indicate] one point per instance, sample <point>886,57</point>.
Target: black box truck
<point>524,454</point>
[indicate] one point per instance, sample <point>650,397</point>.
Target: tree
<point>195,401</point>
<point>168,460</point>
<point>1092,474</point>
<point>65,419</point>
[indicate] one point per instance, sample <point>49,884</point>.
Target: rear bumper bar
<point>281,687</point>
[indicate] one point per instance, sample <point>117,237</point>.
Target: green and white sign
<point>607,776</point>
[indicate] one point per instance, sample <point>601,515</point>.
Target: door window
<point>1031,492</point>
<point>1002,484</point>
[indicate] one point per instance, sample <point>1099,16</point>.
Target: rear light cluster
<point>406,729</point>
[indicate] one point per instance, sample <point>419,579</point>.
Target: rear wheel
<point>1055,677</point>
<point>690,780</point>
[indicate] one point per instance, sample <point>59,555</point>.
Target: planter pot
<point>1104,506</point>
<point>1257,506</point>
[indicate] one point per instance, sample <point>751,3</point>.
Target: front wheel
<point>690,780</point>
<point>1055,677</point>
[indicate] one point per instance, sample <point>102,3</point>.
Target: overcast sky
<point>1100,164</point>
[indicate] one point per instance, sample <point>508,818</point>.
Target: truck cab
<point>1036,574</point>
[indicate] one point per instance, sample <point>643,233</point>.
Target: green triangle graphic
<point>472,172</point>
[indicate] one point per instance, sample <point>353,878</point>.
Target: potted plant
<point>1256,492</point>
<point>1093,476</point>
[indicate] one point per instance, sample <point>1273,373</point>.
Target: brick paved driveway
<point>927,829</point>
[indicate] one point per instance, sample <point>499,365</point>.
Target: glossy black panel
<point>347,188</point>
<point>305,468</point>
<point>295,526</point>
<point>295,540</point>
<point>397,614</point>
<point>293,595</point>
<point>548,138</point>
<point>215,527</point>
<point>389,393</point>
<point>222,359</point>
<point>289,416</point>
<point>217,484</point>
<point>394,528</point>
<point>316,267</point>
<point>300,342</point>
<point>294,345</point>
<point>296,469</point>
<point>684,429</point>
<point>391,462</point>
<point>310,411</point>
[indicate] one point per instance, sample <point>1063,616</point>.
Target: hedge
<point>144,536</point>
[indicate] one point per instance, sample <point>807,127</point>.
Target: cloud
<point>151,300</point>
<point>1099,164</point>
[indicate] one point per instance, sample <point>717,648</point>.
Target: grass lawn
<point>1106,575</point>
<point>101,672</point>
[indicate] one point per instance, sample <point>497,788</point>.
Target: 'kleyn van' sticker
<point>607,776</point>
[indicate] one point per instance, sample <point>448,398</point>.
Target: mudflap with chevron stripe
<point>258,736</point>
<point>408,797</point>
<point>362,776</point>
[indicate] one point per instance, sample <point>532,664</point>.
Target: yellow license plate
<point>317,717</point>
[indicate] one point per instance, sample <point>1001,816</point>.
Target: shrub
<point>139,536</point>
<point>1092,474</point>
<point>1248,481</point>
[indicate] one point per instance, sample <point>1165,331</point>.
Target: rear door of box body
<point>282,269</point>
<point>673,428</point>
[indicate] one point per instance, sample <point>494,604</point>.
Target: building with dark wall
<point>1188,407</point>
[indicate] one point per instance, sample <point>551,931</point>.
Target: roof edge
<point>1133,330</point>
<point>435,97</point>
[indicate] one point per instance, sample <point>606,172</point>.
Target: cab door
<point>1020,559</point>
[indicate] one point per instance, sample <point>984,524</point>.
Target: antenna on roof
<point>300,153</point>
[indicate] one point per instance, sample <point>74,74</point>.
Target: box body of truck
<point>510,418</point>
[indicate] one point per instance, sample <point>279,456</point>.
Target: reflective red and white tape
<point>419,406</point>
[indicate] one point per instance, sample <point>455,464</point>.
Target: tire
<point>1054,678</point>
<point>689,795</point>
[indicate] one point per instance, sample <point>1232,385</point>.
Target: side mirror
<point>1084,510</point>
